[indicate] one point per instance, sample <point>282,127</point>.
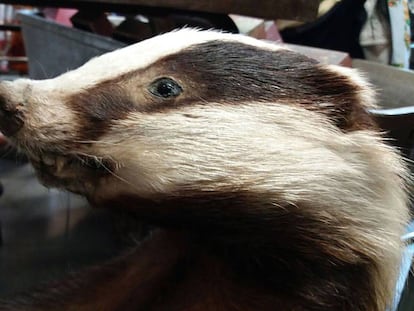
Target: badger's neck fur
<point>278,253</point>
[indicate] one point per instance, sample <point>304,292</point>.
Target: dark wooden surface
<point>305,10</point>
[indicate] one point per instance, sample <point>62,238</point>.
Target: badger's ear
<point>351,94</point>
<point>365,91</point>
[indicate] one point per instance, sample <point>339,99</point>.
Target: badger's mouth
<point>74,172</point>
<point>60,163</point>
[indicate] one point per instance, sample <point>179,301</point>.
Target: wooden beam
<point>268,9</point>
<point>304,10</point>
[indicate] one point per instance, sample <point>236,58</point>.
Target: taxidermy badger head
<point>252,147</point>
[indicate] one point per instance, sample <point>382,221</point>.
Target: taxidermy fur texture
<point>270,184</point>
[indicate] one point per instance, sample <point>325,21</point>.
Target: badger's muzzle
<point>11,116</point>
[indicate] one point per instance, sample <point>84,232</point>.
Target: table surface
<point>304,10</point>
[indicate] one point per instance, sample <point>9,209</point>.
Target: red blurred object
<point>2,139</point>
<point>16,49</point>
<point>12,52</point>
<point>61,16</point>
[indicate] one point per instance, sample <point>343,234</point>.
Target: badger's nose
<point>11,117</point>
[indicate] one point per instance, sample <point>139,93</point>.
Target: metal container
<point>53,48</point>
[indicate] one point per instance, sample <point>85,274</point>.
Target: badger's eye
<point>165,88</point>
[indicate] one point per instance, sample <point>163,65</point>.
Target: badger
<point>269,183</point>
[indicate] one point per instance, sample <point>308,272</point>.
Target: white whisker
<point>119,177</point>
<point>100,160</point>
<point>97,142</point>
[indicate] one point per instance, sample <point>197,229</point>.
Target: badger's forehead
<point>211,69</point>
<point>148,52</point>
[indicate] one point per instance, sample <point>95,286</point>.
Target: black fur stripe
<point>233,72</point>
<point>227,73</point>
<point>98,106</point>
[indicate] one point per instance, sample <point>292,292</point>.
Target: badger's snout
<point>11,115</point>
<point>34,117</point>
